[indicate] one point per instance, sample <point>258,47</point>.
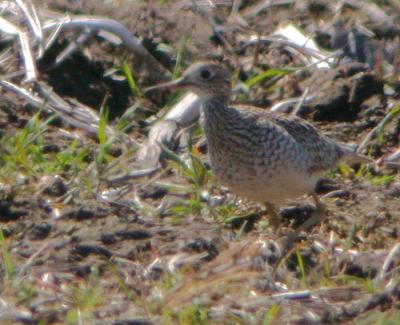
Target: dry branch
<point>113,27</point>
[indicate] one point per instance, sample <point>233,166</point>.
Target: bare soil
<point>152,264</point>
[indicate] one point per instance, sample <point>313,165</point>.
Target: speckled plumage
<point>259,155</point>
<point>265,157</point>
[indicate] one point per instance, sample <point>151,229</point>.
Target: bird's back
<point>261,155</point>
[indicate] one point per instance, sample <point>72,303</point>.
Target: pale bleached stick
<point>284,105</point>
<point>120,179</point>
<point>13,30</point>
<point>78,117</point>
<point>33,20</point>
<point>74,46</point>
<point>264,5</point>
<point>184,113</point>
<point>389,263</point>
<point>114,27</point>
<point>54,34</point>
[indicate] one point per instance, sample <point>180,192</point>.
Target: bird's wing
<point>325,152</point>
<point>303,132</point>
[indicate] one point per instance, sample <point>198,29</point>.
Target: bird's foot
<point>274,218</point>
<point>316,217</point>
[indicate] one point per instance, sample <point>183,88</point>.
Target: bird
<point>260,155</point>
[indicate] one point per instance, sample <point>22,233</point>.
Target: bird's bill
<point>173,85</point>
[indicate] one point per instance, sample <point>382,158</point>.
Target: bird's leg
<point>316,215</point>
<point>320,207</point>
<point>273,216</point>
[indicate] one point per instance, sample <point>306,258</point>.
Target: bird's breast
<point>270,170</point>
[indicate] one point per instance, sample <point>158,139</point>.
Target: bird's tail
<point>349,154</point>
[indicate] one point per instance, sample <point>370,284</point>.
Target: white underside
<point>275,189</point>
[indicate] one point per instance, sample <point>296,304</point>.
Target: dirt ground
<point>173,248</point>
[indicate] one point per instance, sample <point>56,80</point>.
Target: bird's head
<point>206,79</point>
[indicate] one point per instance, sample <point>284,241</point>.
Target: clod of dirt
<point>133,321</point>
<point>202,244</point>
<point>250,220</point>
<point>86,250</point>
<point>326,185</point>
<point>40,231</point>
<point>395,191</point>
<point>87,212</point>
<point>9,213</point>
<point>363,265</point>
<point>134,234</point>
<point>152,192</point>
<point>340,92</point>
<point>309,257</point>
<point>108,239</point>
<point>271,252</point>
<point>297,213</point>
<point>56,187</point>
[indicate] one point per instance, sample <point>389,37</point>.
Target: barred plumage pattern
<point>259,155</point>
<point>265,157</point>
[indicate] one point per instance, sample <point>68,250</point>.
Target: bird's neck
<point>216,111</point>
<point>216,104</point>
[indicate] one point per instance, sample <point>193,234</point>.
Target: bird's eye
<point>205,74</point>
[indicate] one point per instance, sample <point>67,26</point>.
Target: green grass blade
<point>179,57</point>
<point>101,133</point>
<point>266,75</point>
<point>271,314</point>
<point>7,261</point>
<point>126,70</point>
<point>302,268</point>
